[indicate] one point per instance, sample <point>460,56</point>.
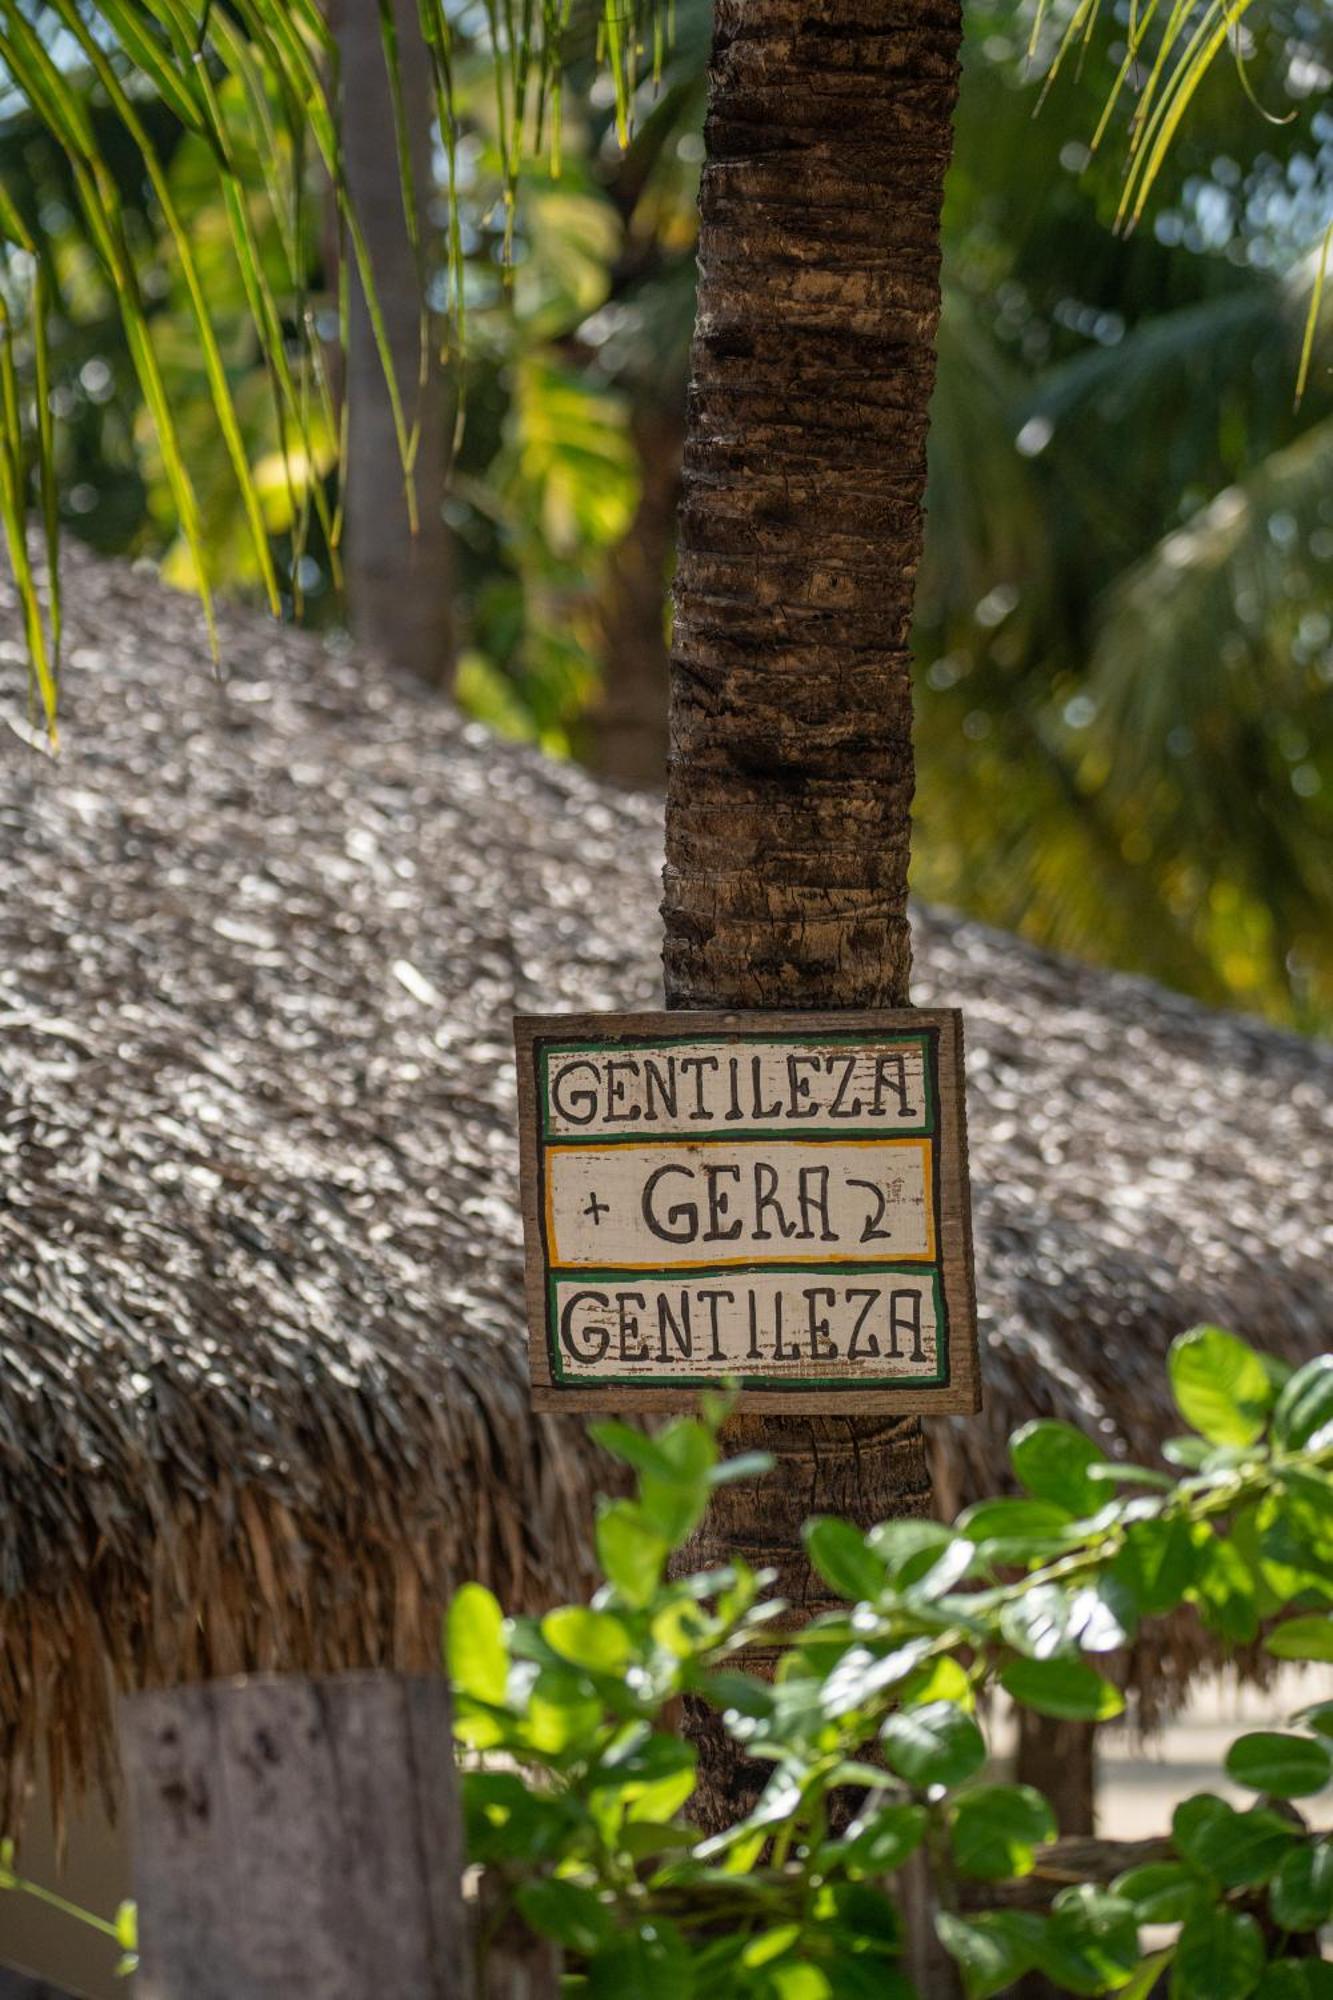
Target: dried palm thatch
<point>262,1384</point>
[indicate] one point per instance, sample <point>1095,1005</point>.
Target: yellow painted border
<point>927,1256</point>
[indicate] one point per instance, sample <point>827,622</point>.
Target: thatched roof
<point>262,1383</point>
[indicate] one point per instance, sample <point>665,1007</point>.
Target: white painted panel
<point>669,1206</point>
<point>790,1326</point>
<point>784,1087</point>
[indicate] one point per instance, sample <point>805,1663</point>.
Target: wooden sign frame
<point>934,1150</point>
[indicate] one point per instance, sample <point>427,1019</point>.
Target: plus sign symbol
<point>596,1209</point>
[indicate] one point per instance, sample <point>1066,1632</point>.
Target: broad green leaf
<point>631,1552</point>
<point>675,1471</point>
<point>934,1745</point>
<point>1296,1979</point>
<point>908,1548</point>
<point>1156,1564</point>
<point>746,1465</point>
<point>1052,1461</point>
<point>1302,1639</point>
<point>1290,1767</point>
<point>1142,1983</point>
<point>1102,1616</point>
<point>689,1448</point>
<point>770,1945</point>
<point>1319,1718</point>
<point>1016,1522</point>
<point>949,1568</point>
<point>840,1554</point>
<point>1091,1942</point>
<point>799,1981</point>
<point>475,1646</point>
<point>574,1916</point>
<point>1224,1587</point>
<point>1284,1540</point>
<point>1162,1892</point>
<point>944,1679</point>
<point>562,1712</point>
<point>1037,1621</point>
<point>593,1639</point>
<point>996,1829</point>
<point>1238,1850</point>
<point>1300,1894</point>
<point>635,1448</point>
<point>506,1820</point>
<point>992,1950</point>
<point>861,1911</point>
<point>1069,1690</point>
<point>1219,1956</point>
<point>861,1675</point>
<point>652,1963</point>
<point>1303,1418</point>
<point>1220,1385</point>
<point>641,1839</point>
<point>881,1841</point>
<point>653,1774</point>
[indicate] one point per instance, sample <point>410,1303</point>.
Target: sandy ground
<point>1140,1783</point>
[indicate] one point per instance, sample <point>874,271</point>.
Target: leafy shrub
<point>578,1801</point>
<point>578,1785</point>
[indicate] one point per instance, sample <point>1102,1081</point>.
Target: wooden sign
<point>775,1200</point>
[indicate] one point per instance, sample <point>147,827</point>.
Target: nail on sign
<point>775,1200</point>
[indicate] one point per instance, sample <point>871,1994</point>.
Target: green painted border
<point>639,1280</point>
<point>927,1039</point>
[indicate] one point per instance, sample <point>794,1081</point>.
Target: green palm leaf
<point>256,83</point>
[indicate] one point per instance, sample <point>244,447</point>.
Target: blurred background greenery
<point>1125,613</point>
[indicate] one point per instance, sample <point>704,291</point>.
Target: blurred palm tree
<point>1123,715</point>
<point>1126,716</point>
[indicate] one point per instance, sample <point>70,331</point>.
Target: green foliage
<point>1123,720</point>
<point>576,1791</point>
<point>876,1705</point>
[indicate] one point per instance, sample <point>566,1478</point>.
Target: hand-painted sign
<point>775,1200</point>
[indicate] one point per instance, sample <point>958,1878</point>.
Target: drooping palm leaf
<point>256,84</point>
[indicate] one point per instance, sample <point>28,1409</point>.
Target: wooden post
<point>297,1839</point>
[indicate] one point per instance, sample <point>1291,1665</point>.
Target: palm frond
<point>256,85</point>
<point>1222,598</point>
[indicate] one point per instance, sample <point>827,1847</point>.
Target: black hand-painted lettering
<point>871,1231</point>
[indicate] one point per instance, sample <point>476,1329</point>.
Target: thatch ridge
<point>261,1367</point>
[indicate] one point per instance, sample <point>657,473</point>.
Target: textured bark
<point>790,783</point>
<point>399,585</point>
<point>800,533</point>
<point>626,738</point>
<point>1060,1760</point>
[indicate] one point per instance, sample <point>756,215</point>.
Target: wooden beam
<point>297,1839</point>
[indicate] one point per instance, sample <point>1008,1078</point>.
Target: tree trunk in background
<point>626,731</point>
<point>1060,1759</point>
<point>399,585</point>
<point>790,787</point>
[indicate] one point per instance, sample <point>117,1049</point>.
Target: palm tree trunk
<point>399,585</point>
<point>790,785</point>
